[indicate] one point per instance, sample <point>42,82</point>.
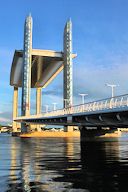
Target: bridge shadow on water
<point>102,168</point>
<point>65,164</point>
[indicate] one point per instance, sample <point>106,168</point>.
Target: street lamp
<point>54,106</point>
<point>83,96</point>
<point>112,87</point>
<point>46,108</point>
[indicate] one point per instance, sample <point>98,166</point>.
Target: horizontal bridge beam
<point>49,53</point>
<point>104,120</point>
<point>107,112</point>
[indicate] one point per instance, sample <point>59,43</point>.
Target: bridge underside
<point>113,120</point>
<point>46,65</point>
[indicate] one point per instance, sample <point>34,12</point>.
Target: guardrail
<point>95,106</point>
<point>105,104</point>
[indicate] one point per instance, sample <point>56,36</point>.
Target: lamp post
<point>112,87</point>
<point>46,108</point>
<point>54,106</point>
<point>83,96</point>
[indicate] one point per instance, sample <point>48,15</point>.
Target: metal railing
<point>105,104</point>
<point>95,106</point>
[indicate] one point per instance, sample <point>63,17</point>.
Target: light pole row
<point>83,96</point>
<point>54,107</point>
<point>113,86</point>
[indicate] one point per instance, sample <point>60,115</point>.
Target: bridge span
<point>110,112</point>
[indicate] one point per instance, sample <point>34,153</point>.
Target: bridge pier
<point>15,109</point>
<point>38,106</point>
<point>68,128</point>
<point>91,134</point>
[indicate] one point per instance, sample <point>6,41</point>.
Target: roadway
<point>110,112</point>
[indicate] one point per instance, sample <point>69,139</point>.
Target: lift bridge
<point>110,112</point>
<point>35,68</point>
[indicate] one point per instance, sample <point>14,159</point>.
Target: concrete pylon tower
<point>68,90</point>
<point>26,75</point>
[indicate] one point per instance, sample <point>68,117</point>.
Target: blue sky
<point>100,39</point>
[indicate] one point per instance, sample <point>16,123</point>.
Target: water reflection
<point>102,167</point>
<point>63,164</point>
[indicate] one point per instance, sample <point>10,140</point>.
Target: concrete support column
<point>38,105</point>
<point>15,108</point>
<point>38,101</point>
<point>68,128</point>
<point>92,134</point>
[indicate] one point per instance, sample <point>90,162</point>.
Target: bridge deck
<point>107,112</point>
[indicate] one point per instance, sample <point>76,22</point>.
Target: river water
<point>63,164</point>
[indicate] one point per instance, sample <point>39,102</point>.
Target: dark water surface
<point>58,164</point>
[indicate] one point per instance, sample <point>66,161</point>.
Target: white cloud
<point>5,117</point>
<point>5,120</point>
<point>91,79</point>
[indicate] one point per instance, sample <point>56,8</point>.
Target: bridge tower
<point>26,73</point>
<point>68,64</point>
<point>68,83</point>
<point>35,68</point>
